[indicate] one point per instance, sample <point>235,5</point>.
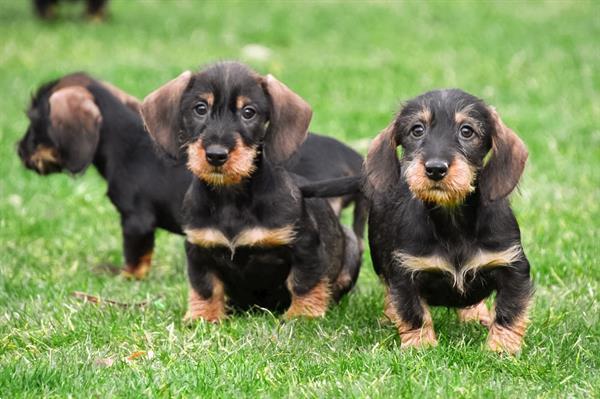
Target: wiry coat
<point>441,230</point>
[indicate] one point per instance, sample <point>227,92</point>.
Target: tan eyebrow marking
<point>462,116</point>
<point>241,101</point>
<point>424,115</point>
<point>208,97</point>
<point>481,260</point>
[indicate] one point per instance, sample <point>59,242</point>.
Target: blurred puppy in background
<point>95,9</point>
<point>251,235</point>
<point>441,229</point>
<point>77,121</point>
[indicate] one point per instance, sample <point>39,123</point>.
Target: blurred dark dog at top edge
<point>95,10</point>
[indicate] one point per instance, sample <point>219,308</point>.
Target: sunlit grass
<point>538,63</point>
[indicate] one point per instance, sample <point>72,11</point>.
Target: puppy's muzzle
<point>436,169</point>
<point>216,155</point>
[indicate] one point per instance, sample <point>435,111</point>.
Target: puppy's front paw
<point>136,273</point>
<point>476,313</point>
<point>507,339</point>
<point>191,316</point>
<point>419,338</point>
<point>209,309</point>
<point>312,304</point>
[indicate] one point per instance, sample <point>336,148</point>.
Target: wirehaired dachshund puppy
<point>77,121</point>
<point>251,235</point>
<point>441,230</point>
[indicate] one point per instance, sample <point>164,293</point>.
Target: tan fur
<point>337,205</point>
<point>208,97</point>
<point>388,307</point>
<point>241,101</point>
<point>477,313</point>
<point>239,165</point>
<point>450,191</point>
<point>130,101</point>
<point>43,156</point>
<point>462,117</point>
<point>508,339</point>
<point>210,309</point>
<point>264,237</point>
<point>313,304</point>
<point>410,337</point>
<point>252,237</point>
<point>207,238</point>
<point>481,260</point>
<point>424,116</point>
<point>140,270</point>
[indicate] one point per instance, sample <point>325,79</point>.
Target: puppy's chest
<point>460,266</point>
<point>233,229</point>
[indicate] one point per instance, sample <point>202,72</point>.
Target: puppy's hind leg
<point>138,245</point>
<point>351,266</point>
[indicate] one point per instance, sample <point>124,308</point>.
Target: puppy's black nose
<point>216,155</point>
<point>436,169</point>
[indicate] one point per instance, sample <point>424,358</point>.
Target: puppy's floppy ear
<point>382,168</point>
<point>74,126</point>
<point>504,168</point>
<point>289,120</point>
<point>160,111</point>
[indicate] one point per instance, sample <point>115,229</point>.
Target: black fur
<point>400,221</point>
<point>268,198</point>
<point>146,189</point>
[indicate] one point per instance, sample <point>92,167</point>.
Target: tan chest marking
<point>252,237</point>
<point>481,260</point>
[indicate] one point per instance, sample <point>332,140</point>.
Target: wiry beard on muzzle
<point>239,165</point>
<point>448,192</point>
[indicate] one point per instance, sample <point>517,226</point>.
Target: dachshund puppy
<point>77,121</point>
<point>441,229</point>
<point>251,235</point>
<point>46,9</point>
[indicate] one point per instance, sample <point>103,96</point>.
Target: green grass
<point>538,63</point>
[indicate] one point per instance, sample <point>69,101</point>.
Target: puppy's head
<point>223,117</point>
<point>64,124</point>
<point>446,136</point>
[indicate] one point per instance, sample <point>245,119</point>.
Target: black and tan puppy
<point>441,229</point>
<point>251,236</point>
<point>76,121</point>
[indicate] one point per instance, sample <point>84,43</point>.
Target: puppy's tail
<point>337,187</point>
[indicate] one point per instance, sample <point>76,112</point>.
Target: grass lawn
<point>538,63</point>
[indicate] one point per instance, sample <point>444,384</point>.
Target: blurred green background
<point>354,62</point>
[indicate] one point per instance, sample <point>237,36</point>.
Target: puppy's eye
<point>417,130</point>
<point>466,132</point>
<point>201,108</point>
<point>248,112</point>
